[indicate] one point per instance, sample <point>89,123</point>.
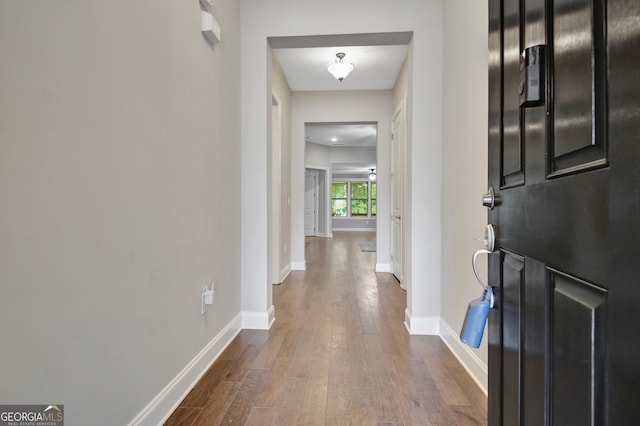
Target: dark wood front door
<point>564,338</point>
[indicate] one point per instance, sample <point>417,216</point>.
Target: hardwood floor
<point>338,354</point>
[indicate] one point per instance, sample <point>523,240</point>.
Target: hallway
<point>337,354</point>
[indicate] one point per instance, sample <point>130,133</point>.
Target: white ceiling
<point>376,67</point>
<point>377,59</point>
<point>352,168</point>
<point>353,135</point>
<point>342,134</point>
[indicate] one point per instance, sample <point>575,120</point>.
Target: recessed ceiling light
<point>334,140</point>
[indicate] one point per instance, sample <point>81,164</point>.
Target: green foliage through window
<point>374,198</point>
<point>339,190</point>
<point>339,199</point>
<point>359,198</point>
<point>356,199</point>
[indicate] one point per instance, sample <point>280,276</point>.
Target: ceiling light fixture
<point>340,70</point>
<point>372,174</point>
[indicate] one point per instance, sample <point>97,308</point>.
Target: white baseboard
<point>354,229</point>
<point>425,326</point>
<point>285,272</point>
<point>299,266</point>
<point>258,320</point>
<point>164,404</point>
<point>468,357</point>
<point>383,267</point>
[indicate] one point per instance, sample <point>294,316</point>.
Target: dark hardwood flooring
<point>337,354</point>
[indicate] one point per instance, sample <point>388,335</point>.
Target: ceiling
<point>375,67</point>
<point>352,135</point>
<point>377,59</point>
<point>360,135</point>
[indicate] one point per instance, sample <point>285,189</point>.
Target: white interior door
<point>310,202</point>
<point>397,183</point>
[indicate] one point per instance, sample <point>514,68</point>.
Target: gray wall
<point>119,189</point>
<point>464,161</point>
<point>281,89</point>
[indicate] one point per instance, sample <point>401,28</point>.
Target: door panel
<point>579,134</point>
<point>512,289</point>
<point>397,184</point>
<point>561,223</point>
<point>310,207</point>
<point>563,349</point>
<point>572,41</point>
<point>578,351</point>
<point>534,336</point>
<point>511,141</point>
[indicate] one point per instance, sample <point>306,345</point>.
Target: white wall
<point>401,89</point>
<point>317,155</point>
<point>341,106</point>
<point>282,91</point>
<point>119,171</point>
<point>347,155</point>
<point>465,167</point>
<point>326,156</point>
<point>262,19</point>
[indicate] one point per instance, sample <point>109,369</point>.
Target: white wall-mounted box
<point>210,27</point>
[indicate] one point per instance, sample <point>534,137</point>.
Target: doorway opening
<point>340,178</point>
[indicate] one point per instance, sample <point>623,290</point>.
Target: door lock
<point>490,238</point>
<point>490,199</point>
<point>489,247</point>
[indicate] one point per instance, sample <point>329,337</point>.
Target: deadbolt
<point>490,199</point>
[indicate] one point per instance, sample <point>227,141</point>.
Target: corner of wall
<point>299,265</point>
<point>468,358</point>
<point>258,320</point>
<point>165,402</point>
<point>383,267</point>
<point>425,326</point>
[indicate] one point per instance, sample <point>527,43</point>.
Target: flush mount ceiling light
<point>340,70</point>
<point>372,174</point>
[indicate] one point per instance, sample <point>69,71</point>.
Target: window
<point>339,199</point>
<point>374,199</point>
<point>359,198</point>
<point>354,199</point>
